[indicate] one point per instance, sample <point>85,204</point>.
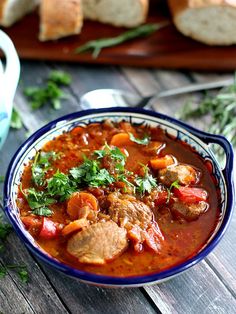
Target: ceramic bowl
<point>200,141</point>
<point>9,77</point>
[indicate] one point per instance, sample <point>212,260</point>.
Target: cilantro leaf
<point>60,77</point>
<point>23,275</point>
<point>42,211</point>
<point>2,178</point>
<point>16,122</point>
<point>100,153</point>
<point>103,177</point>
<point>37,199</point>
<point>145,184</point>
<point>60,185</point>
<point>3,272</point>
<point>41,164</point>
<point>174,184</point>
<point>5,229</point>
<point>144,141</point>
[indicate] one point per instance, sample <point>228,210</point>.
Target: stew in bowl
<point>119,197</point>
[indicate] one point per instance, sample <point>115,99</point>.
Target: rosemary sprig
<point>99,44</point>
<point>222,111</point>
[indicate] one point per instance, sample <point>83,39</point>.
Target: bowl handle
<point>208,138</point>
<point>10,76</point>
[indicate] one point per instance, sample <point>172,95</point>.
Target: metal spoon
<point>113,98</point>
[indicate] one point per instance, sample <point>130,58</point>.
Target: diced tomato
<point>31,222</point>
<point>154,237</point>
<point>49,229</point>
<point>161,198</point>
<point>190,195</point>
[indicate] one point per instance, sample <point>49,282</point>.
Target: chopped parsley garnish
<point>16,122</point>
<point>37,199</point>
<point>145,183</point>
<point>60,77</point>
<point>174,184</point>
<point>90,174</point>
<point>5,229</point>
<point>60,185</point>
<point>41,164</point>
<point>42,211</point>
<point>144,141</point>
<point>20,269</point>
<point>51,93</point>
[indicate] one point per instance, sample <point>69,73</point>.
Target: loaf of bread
<point>60,18</point>
<point>13,10</point>
<point>212,22</point>
<point>127,13</point>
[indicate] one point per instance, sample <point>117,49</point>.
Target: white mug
<point>9,77</point>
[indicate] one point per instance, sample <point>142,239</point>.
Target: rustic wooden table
<point>209,287</point>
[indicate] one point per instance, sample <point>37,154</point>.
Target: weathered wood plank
<point>196,291</point>
<point>82,298</point>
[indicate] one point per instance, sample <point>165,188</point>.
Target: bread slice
<point>59,18</point>
<point>127,13</point>
<point>13,10</point>
<point>212,22</point>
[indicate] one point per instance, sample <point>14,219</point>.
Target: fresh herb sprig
<point>51,93</point>
<point>145,183</point>
<point>222,111</point>
<point>41,164</point>
<point>174,184</point>
<point>16,121</point>
<point>20,269</point>
<point>97,45</point>
<point>144,141</point>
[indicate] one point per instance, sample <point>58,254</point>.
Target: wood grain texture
<point>166,48</point>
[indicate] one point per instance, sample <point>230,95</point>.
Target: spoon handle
<point>186,89</point>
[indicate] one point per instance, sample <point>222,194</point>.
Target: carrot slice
<point>74,226</point>
<point>79,200</point>
<point>121,139</point>
<point>162,162</point>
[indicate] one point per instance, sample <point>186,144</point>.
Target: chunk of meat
<point>99,243</point>
<point>184,174</point>
<point>127,211</point>
<point>154,148</point>
<point>189,211</point>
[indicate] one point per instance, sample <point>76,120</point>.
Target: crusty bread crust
<point>124,16</point>
<point>2,5</point>
<point>60,18</point>
<point>212,22</point>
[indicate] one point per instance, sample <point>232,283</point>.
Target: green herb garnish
<point>174,184</point>
<point>2,178</point>
<point>60,78</point>
<point>50,94</point>
<point>222,111</point>
<point>97,45</point>
<point>16,121</point>
<point>60,185</point>
<point>37,199</point>
<point>145,183</point>
<point>144,141</point>
<point>5,229</point>
<point>42,211</point>
<point>41,164</point>
<point>20,269</point>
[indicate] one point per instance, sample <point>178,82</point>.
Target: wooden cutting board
<point>167,48</point>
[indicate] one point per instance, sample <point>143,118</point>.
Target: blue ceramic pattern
<point>196,139</point>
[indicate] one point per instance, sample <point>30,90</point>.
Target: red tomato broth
<point>183,239</point>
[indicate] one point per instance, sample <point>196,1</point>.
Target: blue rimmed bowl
<point>200,141</point>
